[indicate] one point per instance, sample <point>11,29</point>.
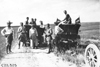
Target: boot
<point>19,45</point>
<point>10,48</point>
<point>49,49</point>
<point>7,49</point>
<point>48,52</point>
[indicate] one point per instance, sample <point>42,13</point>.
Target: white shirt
<point>58,30</point>
<point>7,30</point>
<point>48,31</point>
<point>41,26</point>
<point>33,31</point>
<point>20,29</point>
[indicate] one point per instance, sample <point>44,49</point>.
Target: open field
<point>87,31</point>
<point>90,30</point>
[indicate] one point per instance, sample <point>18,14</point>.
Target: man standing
<point>27,28</point>
<point>33,36</point>
<point>8,33</point>
<point>40,33</point>
<point>48,35</point>
<point>21,35</point>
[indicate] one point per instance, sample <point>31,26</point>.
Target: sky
<point>48,11</point>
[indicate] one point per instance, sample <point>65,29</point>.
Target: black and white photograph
<point>49,33</point>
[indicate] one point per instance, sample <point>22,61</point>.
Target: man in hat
<point>33,37</point>
<point>8,33</point>
<point>21,35</point>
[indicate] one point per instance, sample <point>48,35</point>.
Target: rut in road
<point>27,57</point>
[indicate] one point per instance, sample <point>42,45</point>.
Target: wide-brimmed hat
<point>9,22</point>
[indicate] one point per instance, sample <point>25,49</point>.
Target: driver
<point>67,19</point>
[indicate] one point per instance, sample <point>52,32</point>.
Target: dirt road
<point>27,57</point>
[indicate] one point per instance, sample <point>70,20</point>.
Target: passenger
<point>33,21</point>
<point>8,33</point>
<point>33,34</point>
<point>27,28</point>
<point>67,19</point>
<point>48,35</point>
<point>21,35</point>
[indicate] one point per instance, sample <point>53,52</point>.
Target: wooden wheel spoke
<point>91,64</point>
<point>88,52</point>
<point>88,57</point>
<point>95,60</point>
<point>94,64</point>
<point>95,56</point>
<point>91,51</point>
<point>92,55</point>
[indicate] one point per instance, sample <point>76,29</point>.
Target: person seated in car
<point>67,18</point>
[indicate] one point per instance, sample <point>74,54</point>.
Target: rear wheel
<point>92,55</point>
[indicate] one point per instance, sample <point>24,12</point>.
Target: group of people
<point>32,35</point>
<point>28,35</point>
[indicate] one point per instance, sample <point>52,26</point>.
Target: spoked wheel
<point>92,55</point>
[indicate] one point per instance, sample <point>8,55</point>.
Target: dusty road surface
<point>27,57</point>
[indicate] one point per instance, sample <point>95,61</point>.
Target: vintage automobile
<point>70,38</point>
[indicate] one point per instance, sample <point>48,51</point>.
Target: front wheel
<point>92,55</point>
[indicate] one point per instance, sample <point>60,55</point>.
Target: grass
<point>90,31</point>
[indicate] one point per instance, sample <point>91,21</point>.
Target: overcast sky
<point>48,10</point>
